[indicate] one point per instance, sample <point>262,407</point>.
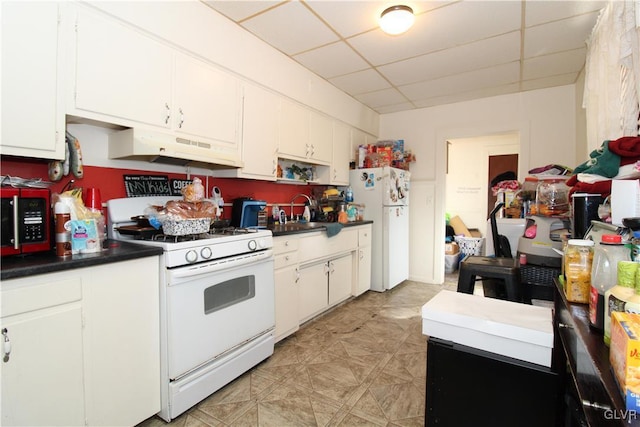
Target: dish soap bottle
<point>306,215</point>
<point>348,196</point>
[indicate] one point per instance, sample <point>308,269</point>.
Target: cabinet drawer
<point>320,246</point>
<point>285,260</point>
<point>43,295</point>
<point>364,236</point>
<point>284,244</point>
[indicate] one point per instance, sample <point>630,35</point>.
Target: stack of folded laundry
<point>619,159</point>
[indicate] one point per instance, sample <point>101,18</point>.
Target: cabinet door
<point>363,283</point>
<point>313,291</point>
<point>340,157</point>
<point>286,299</point>
<point>293,126</point>
<point>122,344</point>
<point>206,102</point>
<point>340,278</point>
<point>320,138</point>
<point>121,72</point>
<point>260,132</point>
<point>32,70</point>
<point>42,380</point>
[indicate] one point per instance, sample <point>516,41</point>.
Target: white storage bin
<point>521,331</point>
<point>451,263</point>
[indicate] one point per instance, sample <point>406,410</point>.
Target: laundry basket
<point>470,245</point>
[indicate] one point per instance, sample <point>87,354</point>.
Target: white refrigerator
<point>385,194</point>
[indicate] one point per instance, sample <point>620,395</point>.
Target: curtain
<point>612,74</point>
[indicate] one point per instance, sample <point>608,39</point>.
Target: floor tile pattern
<point>361,364</point>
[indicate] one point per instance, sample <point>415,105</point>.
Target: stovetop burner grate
<point>175,239</point>
<point>232,230</point>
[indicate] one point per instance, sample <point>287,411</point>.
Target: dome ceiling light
<point>396,19</point>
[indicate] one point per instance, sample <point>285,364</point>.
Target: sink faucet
<point>294,199</point>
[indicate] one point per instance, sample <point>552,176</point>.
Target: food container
<point>552,196</point>
<point>578,259</point>
<point>625,346</point>
<point>183,227</point>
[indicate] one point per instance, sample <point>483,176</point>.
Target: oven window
<point>228,293</point>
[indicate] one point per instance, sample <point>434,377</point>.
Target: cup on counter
<point>92,199</point>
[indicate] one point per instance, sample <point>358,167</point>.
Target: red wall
<point>110,181</point>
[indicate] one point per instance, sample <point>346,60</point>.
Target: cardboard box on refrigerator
<point>520,331</point>
<point>625,199</point>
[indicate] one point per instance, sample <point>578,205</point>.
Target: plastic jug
<point>604,275</point>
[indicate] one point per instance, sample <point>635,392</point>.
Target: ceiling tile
<point>467,96</point>
<point>561,80</point>
<point>540,12</point>
<point>332,60</point>
<point>382,97</point>
<point>557,36</point>
<point>481,54</point>
<point>361,82</point>
<point>570,61</point>
<point>291,28</point>
<point>442,28</point>
<point>488,77</point>
<point>385,109</point>
<point>239,10</point>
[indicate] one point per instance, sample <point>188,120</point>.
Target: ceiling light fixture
<point>396,19</point>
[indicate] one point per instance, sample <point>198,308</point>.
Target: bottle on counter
<point>578,259</point>
<point>306,215</point>
<point>616,298</point>
<point>342,215</point>
<point>635,246</point>
<point>348,196</point>
<point>604,275</point>
<point>62,218</point>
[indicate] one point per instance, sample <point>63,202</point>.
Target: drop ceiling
<point>456,50</point>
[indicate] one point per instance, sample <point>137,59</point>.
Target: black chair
<point>500,275</point>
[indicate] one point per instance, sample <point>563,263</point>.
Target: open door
<point>499,165</point>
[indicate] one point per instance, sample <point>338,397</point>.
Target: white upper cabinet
<point>32,70</point>
<point>320,137</point>
<point>120,73</point>
<point>293,124</point>
<point>340,158</point>
<point>126,77</point>
<point>206,102</point>
<point>304,134</point>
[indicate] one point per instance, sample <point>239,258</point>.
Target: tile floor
<point>361,364</point>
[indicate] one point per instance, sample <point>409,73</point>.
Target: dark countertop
<point>17,266</point>
<point>302,227</point>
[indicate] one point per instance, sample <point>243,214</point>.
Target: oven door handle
<point>221,264</point>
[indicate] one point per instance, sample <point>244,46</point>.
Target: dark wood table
<point>588,371</point>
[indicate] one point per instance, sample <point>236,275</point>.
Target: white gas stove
<point>217,303</point>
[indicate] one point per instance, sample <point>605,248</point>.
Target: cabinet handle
<point>312,150</point>
<point>331,267</point>
<point>181,117</point>
<point>286,258</point>
<point>596,405</point>
<point>297,274</point>
<point>361,254</point>
<point>6,345</point>
<point>166,119</point>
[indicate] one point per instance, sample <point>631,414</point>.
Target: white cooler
<point>520,331</point>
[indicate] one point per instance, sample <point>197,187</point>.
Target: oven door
<point>217,306</point>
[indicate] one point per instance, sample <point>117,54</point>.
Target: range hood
<point>158,147</point>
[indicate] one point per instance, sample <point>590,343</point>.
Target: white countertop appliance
<point>385,194</point>
<point>217,313</point>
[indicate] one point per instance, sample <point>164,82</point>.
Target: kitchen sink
<point>296,226</point>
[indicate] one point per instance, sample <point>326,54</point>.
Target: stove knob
<point>206,252</point>
<point>252,245</point>
<point>262,243</point>
<point>191,256</point>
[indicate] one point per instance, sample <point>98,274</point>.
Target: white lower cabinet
<point>362,261</point>
<point>313,295</point>
<point>286,277</point>
<point>42,367</point>
<point>340,278</point>
<point>83,346</point>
